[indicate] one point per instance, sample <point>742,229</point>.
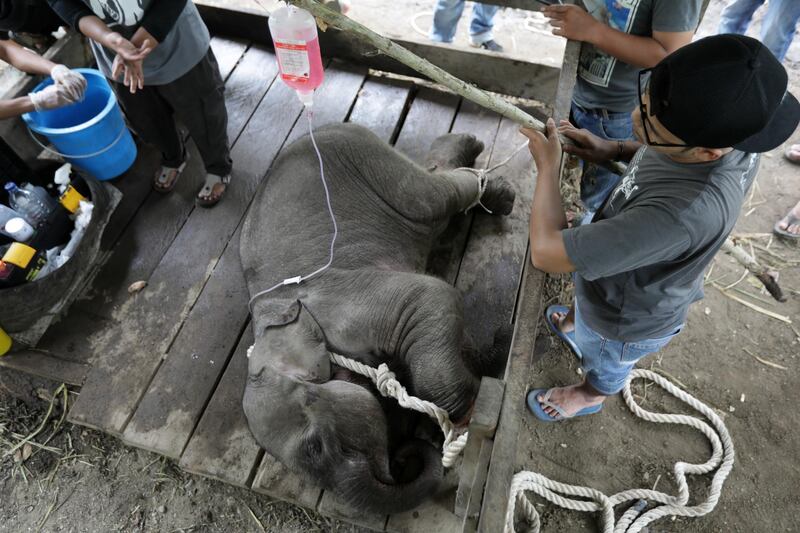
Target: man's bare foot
<point>792,153</point>
<point>565,322</point>
<point>571,399</point>
<point>791,222</point>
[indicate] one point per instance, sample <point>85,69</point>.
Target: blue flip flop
<point>568,338</point>
<point>535,407</point>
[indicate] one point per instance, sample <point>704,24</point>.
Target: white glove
<point>71,80</point>
<point>51,97</point>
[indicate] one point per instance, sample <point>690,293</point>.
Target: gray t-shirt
<point>640,262</point>
<point>605,82</point>
<point>182,48</point>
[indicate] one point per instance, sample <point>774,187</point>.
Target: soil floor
<point>737,360</point>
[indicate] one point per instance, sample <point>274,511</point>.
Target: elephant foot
<point>499,196</point>
<point>453,151</point>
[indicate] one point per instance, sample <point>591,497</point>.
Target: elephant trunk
<point>374,487</point>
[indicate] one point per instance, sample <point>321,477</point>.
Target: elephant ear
<point>294,339</point>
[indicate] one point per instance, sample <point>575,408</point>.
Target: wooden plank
<point>46,365</point>
<point>331,505</point>
<point>473,503</point>
<point>222,446</point>
<point>431,114</point>
<point>380,106</point>
<point>434,516</point>
<point>228,53</point>
<point>172,405</point>
<point>133,351</point>
<point>503,463</point>
<point>162,217</point>
<point>497,72</point>
<point>497,245</point>
<point>566,81</point>
<point>448,250</point>
<point>277,481</point>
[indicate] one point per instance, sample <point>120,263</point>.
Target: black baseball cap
<point>722,91</point>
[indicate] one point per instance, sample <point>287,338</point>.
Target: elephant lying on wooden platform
<point>373,304</point>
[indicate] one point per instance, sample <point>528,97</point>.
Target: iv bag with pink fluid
<point>294,33</point>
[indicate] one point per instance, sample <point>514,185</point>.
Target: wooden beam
<point>498,73</point>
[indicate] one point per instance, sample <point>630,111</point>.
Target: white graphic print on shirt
<point>123,12</point>
<point>596,66</point>
<point>628,185</point>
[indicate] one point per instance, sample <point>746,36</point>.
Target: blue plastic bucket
<point>90,134</point>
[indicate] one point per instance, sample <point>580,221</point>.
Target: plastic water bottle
<point>294,33</point>
<point>41,194</point>
<point>27,204</point>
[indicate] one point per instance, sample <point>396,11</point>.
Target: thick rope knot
<point>635,519</point>
<point>386,383</point>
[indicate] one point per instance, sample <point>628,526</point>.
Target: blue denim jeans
<point>606,362</point>
<point>777,28</point>
<point>597,182</point>
<point>445,20</point>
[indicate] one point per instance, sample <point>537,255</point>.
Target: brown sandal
<point>213,190</point>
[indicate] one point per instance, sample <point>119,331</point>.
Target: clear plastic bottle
<point>27,204</point>
<point>42,194</point>
<point>294,33</point>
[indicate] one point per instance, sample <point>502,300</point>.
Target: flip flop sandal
<point>204,197</point>
<point>535,407</point>
<point>568,338</point>
<point>790,220</point>
<point>167,177</point>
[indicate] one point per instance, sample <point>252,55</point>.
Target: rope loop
<point>635,519</point>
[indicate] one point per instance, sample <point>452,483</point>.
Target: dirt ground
<point>739,361</point>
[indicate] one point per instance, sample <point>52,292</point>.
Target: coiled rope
<point>635,519</point>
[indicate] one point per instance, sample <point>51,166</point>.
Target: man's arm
<point>23,59</point>
<point>594,149</point>
<point>15,107</point>
<point>575,23</point>
<point>547,214</point>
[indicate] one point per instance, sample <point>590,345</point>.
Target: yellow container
<point>5,342</point>
<point>71,199</point>
<point>19,254</point>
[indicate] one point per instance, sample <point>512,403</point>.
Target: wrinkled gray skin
<point>374,304</point>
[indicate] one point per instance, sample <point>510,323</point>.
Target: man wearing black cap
<point>706,112</point>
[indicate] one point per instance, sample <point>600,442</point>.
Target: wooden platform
<point>164,369</point>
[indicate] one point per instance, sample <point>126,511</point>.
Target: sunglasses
<point>644,81</point>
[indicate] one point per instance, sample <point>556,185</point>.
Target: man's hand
<point>72,81</point>
<point>588,146</point>
<point>546,151</point>
<point>572,22</point>
<point>51,97</point>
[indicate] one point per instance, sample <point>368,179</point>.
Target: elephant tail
<point>414,476</point>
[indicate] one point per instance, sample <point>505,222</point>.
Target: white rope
<point>483,177</point>
<point>387,384</point>
<point>635,519</point>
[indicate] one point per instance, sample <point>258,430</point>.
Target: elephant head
<point>330,429</point>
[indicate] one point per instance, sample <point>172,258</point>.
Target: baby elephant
<point>373,304</point>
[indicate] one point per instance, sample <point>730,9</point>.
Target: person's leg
<point>199,101</point>
<point>597,182</point>
<point>445,20</point>
<point>150,116</point>
<point>607,363</point>
<point>736,16</point>
<point>480,28</point>
<point>779,26</point>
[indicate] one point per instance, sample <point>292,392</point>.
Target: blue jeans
<point>606,362</point>
<point>597,182</point>
<point>777,28</point>
<point>445,20</point>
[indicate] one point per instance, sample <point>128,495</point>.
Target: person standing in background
<point>777,28</point>
<point>445,21</point>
